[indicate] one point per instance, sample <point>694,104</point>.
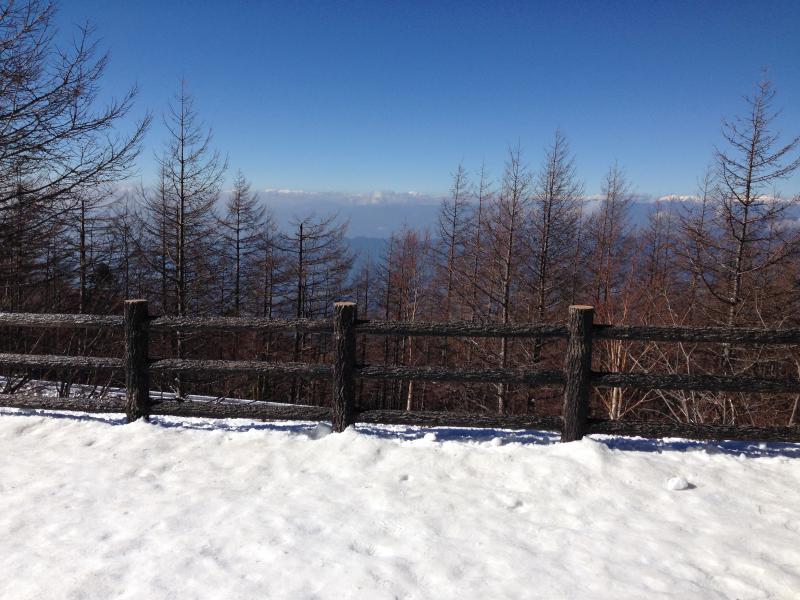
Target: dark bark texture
<point>344,387</point>
<point>247,367</point>
<point>526,376</point>
<point>577,370</point>
<point>137,373</point>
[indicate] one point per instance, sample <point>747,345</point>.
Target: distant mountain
<point>374,216</point>
<point>640,211</point>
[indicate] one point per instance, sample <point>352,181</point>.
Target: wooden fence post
<point>137,368</point>
<point>344,388</point>
<point>577,370</point>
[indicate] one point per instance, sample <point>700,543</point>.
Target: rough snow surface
<point>91,508</point>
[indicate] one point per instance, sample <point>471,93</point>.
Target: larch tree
<point>453,221</point>
<point>385,292</point>
<point>125,226</point>
<point>191,173</point>
<point>157,243</point>
<point>749,212</point>
<point>553,223</point>
<point>87,223</point>
<point>695,221</point>
<point>270,279</point>
<point>54,133</point>
<point>609,243</point>
<point>505,226</point>
<point>609,236</point>
<point>407,274</point>
<point>58,140</point>
<point>243,229</point>
<point>476,251</point>
<point>318,264</point>
<point>749,243</point>
<point>450,250</point>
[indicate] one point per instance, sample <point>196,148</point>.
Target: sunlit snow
<point>189,508</point>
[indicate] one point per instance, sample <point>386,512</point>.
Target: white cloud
<point>287,191</point>
<point>371,198</point>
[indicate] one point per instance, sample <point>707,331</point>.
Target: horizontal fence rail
<point>260,324</point>
<point>45,362</point>
<point>577,377</point>
<point>243,367</point>
<point>465,329</point>
<point>48,321</point>
<point>707,383</point>
<point>677,334</point>
<point>724,335</point>
<point>531,377</point>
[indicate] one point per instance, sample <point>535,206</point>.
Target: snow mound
<point>320,431</point>
<point>677,483</point>
<point>194,508</point>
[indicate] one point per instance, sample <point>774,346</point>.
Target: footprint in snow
<point>517,504</point>
<point>510,503</point>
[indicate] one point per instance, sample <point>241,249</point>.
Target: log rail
<point>577,378</point>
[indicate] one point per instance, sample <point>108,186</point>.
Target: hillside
<point>90,508</point>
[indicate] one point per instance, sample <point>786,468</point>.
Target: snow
<point>192,508</point>
<point>678,483</point>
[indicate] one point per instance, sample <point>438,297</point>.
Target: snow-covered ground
<point>192,508</point>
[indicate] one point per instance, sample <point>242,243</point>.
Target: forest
<point>79,233</point>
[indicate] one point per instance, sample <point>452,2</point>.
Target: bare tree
<point>452,230</point>
<point>450,250</point>
<point>609,243</point>
<point>750,236</point>
<point>407,278</point>
<point>505,226</point>
<point>609,235</point>
<point>477,247</point>
<point>318,264</point>
<point>243,226</point>
<point>553,224</point>
<point>744,245</point>
<point>58,141</point>
<point>272,274</point>
<point>52,134</point>
<point>695,223</point>
<point>124,252</point>
<point>192,173</point>
<point>87,223</point>
<point>157,243</point>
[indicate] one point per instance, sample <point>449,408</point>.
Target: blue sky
<point>353,97</point>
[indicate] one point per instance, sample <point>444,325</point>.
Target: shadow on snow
<point>442,434</point>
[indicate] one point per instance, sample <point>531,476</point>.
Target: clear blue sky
<point>377,95</point>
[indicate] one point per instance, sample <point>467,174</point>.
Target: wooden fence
<point>577,376</point>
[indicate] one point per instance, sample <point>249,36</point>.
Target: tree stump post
<point>137,368</point>
<point>577,371</point>
<point>344,388</point>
